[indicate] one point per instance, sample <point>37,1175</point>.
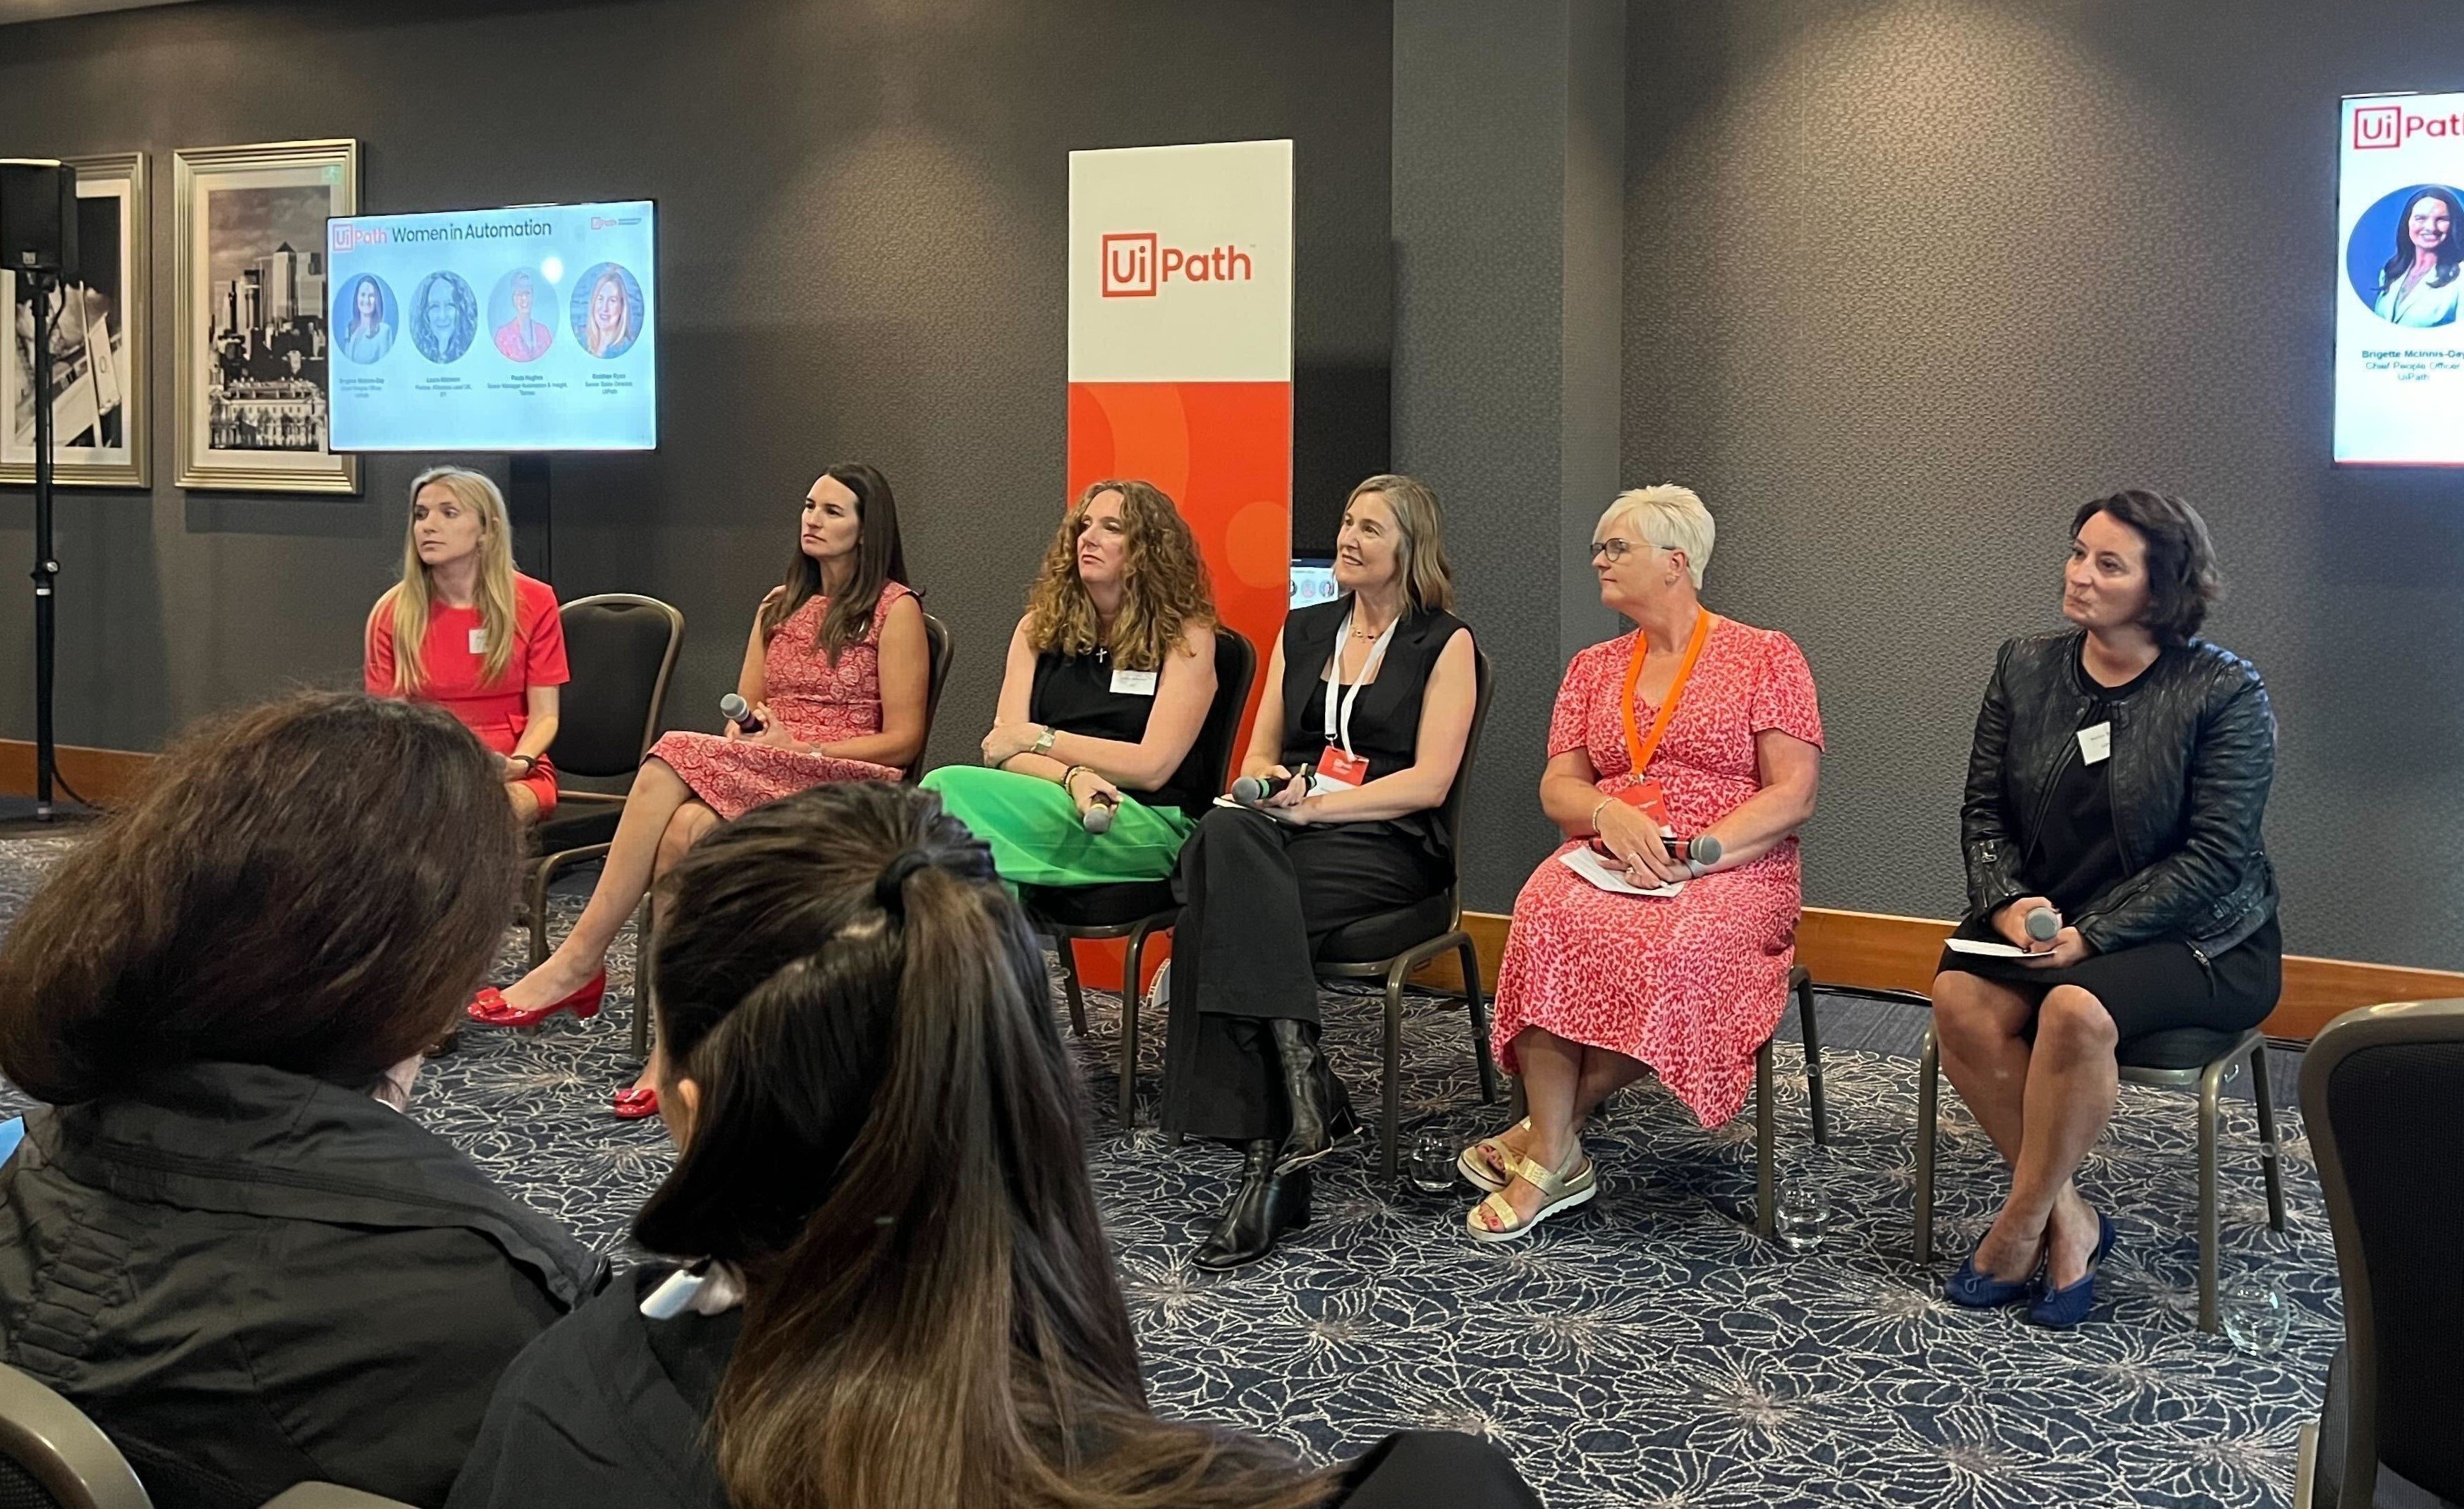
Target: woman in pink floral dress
<point>1599,987</point>
<point>836,672</point>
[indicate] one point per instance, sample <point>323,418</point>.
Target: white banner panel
<point>2400,281</point>
<point>1180,264</point>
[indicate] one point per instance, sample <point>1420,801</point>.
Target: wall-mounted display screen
<point>528,329</point>
<point>2400,281</point>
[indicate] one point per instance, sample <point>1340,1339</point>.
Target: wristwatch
<point>1043,740</point>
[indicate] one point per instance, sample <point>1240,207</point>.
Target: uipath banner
<point>1181,356</point>
<point>2400,281</point>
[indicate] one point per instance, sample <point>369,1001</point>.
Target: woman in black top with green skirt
<point>2115,793</point>
<point>1367,703</point>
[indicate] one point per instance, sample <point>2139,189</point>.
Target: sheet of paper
<point>1989,951</point>
<point>1276,813</point>
<point>1592,867</point>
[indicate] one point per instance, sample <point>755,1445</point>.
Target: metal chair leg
<point>1813,1062</point>
<point>2210,1087</point>
<point>1130,998</point>
<point>2259,1087</point>
<point>539,914</point>
<point>1387,1158</point>
<point>1070,985</point>
<point>1766,1154</point>
<point>642,980</point>
<point>1518,1106</point>
<point>1469,953</point>
<point>1929,1096</point>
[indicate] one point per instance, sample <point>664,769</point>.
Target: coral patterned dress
<point>1690,984</point>
<point>813,700</point>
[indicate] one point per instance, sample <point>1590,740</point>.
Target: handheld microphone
<point>1252,789</point>
<point>2044,924</point>
<point>1701,850</point>
<point>1098,817</point>
<point>734,709</point>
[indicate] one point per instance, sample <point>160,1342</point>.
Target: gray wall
<point>1907,281</point>
<point>862,213</point>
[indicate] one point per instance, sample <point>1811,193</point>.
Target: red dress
<point>1690,984</point>
<point>813,700</point>
<point>451,658</point>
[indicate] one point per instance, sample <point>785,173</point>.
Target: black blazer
<point>2193,756</point>
<point>610,1409</point>
<point>251,1279</point>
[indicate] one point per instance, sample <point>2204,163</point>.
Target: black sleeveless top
<point>1385,720</point>
<point>1075,694</point>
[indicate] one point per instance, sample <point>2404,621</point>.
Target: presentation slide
<point>2400,285</point>
<point>530,329</point>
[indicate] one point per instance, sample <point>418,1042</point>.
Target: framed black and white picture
<point>97,325</point>
<point>254,342</point>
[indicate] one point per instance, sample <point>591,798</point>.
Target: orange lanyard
<point>1637,748</point>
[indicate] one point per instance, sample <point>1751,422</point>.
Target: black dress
<point>610,1408</point>
<point>1073,695</point>
<point>2074,857</point>
<point>1258,896</point>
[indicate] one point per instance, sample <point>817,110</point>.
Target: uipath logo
<point>1137,265</point>
<point>2376,126</point>
<point>348,238</point>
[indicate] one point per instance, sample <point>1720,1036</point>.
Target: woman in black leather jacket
<point>2114,796</point>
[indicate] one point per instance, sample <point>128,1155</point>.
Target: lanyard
<point>1637,748</point>
<point>1338,728</point>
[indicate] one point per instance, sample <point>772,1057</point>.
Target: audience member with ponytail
<point>897,1291</point>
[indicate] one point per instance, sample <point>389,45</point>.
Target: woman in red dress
<point>1599,987</point>
<point>836,673</point>
<point>487,643</point>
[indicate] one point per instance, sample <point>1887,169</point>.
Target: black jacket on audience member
<point>610,1409</point>
<point>251,1279</point>
<point>2193,756</point>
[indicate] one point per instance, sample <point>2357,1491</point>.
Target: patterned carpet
<point>1648,1352</point>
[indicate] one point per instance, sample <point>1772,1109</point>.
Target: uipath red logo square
<point>2378,126</point>
<point>1130,264</point>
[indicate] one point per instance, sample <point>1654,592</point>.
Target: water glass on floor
<point>2255,1313</point>
<point>1801,1213</point>
<point>1429,1161</point>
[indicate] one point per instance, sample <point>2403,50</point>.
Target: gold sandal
<point>1559,1192</point>
<point>1479,1163</point>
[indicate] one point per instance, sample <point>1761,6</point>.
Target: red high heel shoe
<point>490,1009</point>
<point>632,1105</point>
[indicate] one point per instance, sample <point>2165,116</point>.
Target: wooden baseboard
<point>1873,950</point>
<point>104,778</point>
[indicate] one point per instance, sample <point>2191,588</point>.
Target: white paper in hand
<point>1592,867</point>
<point>1985,949</point>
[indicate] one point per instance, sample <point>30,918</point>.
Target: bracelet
<point>1595,812</point>
<point>530,762</point>
<point>1043,740</point>
<point>1068,775</point>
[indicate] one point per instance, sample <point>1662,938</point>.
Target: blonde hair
<point>1669,516</point>
<point>1423,558</point>
<point>1164,585</point>
<point>410,600</point>
<point>592,337</point>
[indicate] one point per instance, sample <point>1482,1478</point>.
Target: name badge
<point>1645,795</point>
<point>2096,744</point>
<point>1128,682</point>
<point>478,641</point>
<point>1337,770</point>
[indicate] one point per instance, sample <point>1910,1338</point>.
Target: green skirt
<point>1036,837</point>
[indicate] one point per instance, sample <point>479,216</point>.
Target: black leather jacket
<point>2193,755</point>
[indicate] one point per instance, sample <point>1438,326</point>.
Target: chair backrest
<point>1458,794</point>
<point>1236,665</point>
<point>53,1457</point>
<point>621,649</point>
<point>2378,1098</point>
<point>938,648</point>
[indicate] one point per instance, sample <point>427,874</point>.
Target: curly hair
<point>1165,589</point>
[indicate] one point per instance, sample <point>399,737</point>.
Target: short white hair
<point>1669,516</point>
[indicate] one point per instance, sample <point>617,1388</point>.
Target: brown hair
<point>1427,579</point>
<point>2183,581</point>
<point>1164,583</point>
<point>269,900</point>
<point>880,558</point>
<point>890,1146</point>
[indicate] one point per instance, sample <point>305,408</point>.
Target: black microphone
<point>1251,790</point>
<point>1701,850</point>
<point>733,708</point>
<point>1098,815</point>
<point>2044,924</point>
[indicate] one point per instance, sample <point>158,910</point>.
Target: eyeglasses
<point>1616,549</point>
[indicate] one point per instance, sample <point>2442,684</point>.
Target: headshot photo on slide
<point>366,318</point>
<point>444,317</point>
<point>513,315</point>
<point>2406,256</point>
<point>606,310</point>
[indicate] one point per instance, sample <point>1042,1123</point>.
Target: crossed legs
<point>1564,1082</point>
<point>2044,1106</point>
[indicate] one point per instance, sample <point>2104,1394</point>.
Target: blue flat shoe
<point>2062,1309</point>
<point>1978,1291</point>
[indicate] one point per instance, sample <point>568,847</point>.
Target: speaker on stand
<point>38,244</point>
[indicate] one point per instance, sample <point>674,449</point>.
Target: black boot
<point>1321,1112</point>
<point>1266,1205</point>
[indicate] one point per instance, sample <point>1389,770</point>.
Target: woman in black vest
<point>1368,704</point>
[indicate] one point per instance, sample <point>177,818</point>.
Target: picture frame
<point>253,337</point>
<point>102,334</point>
